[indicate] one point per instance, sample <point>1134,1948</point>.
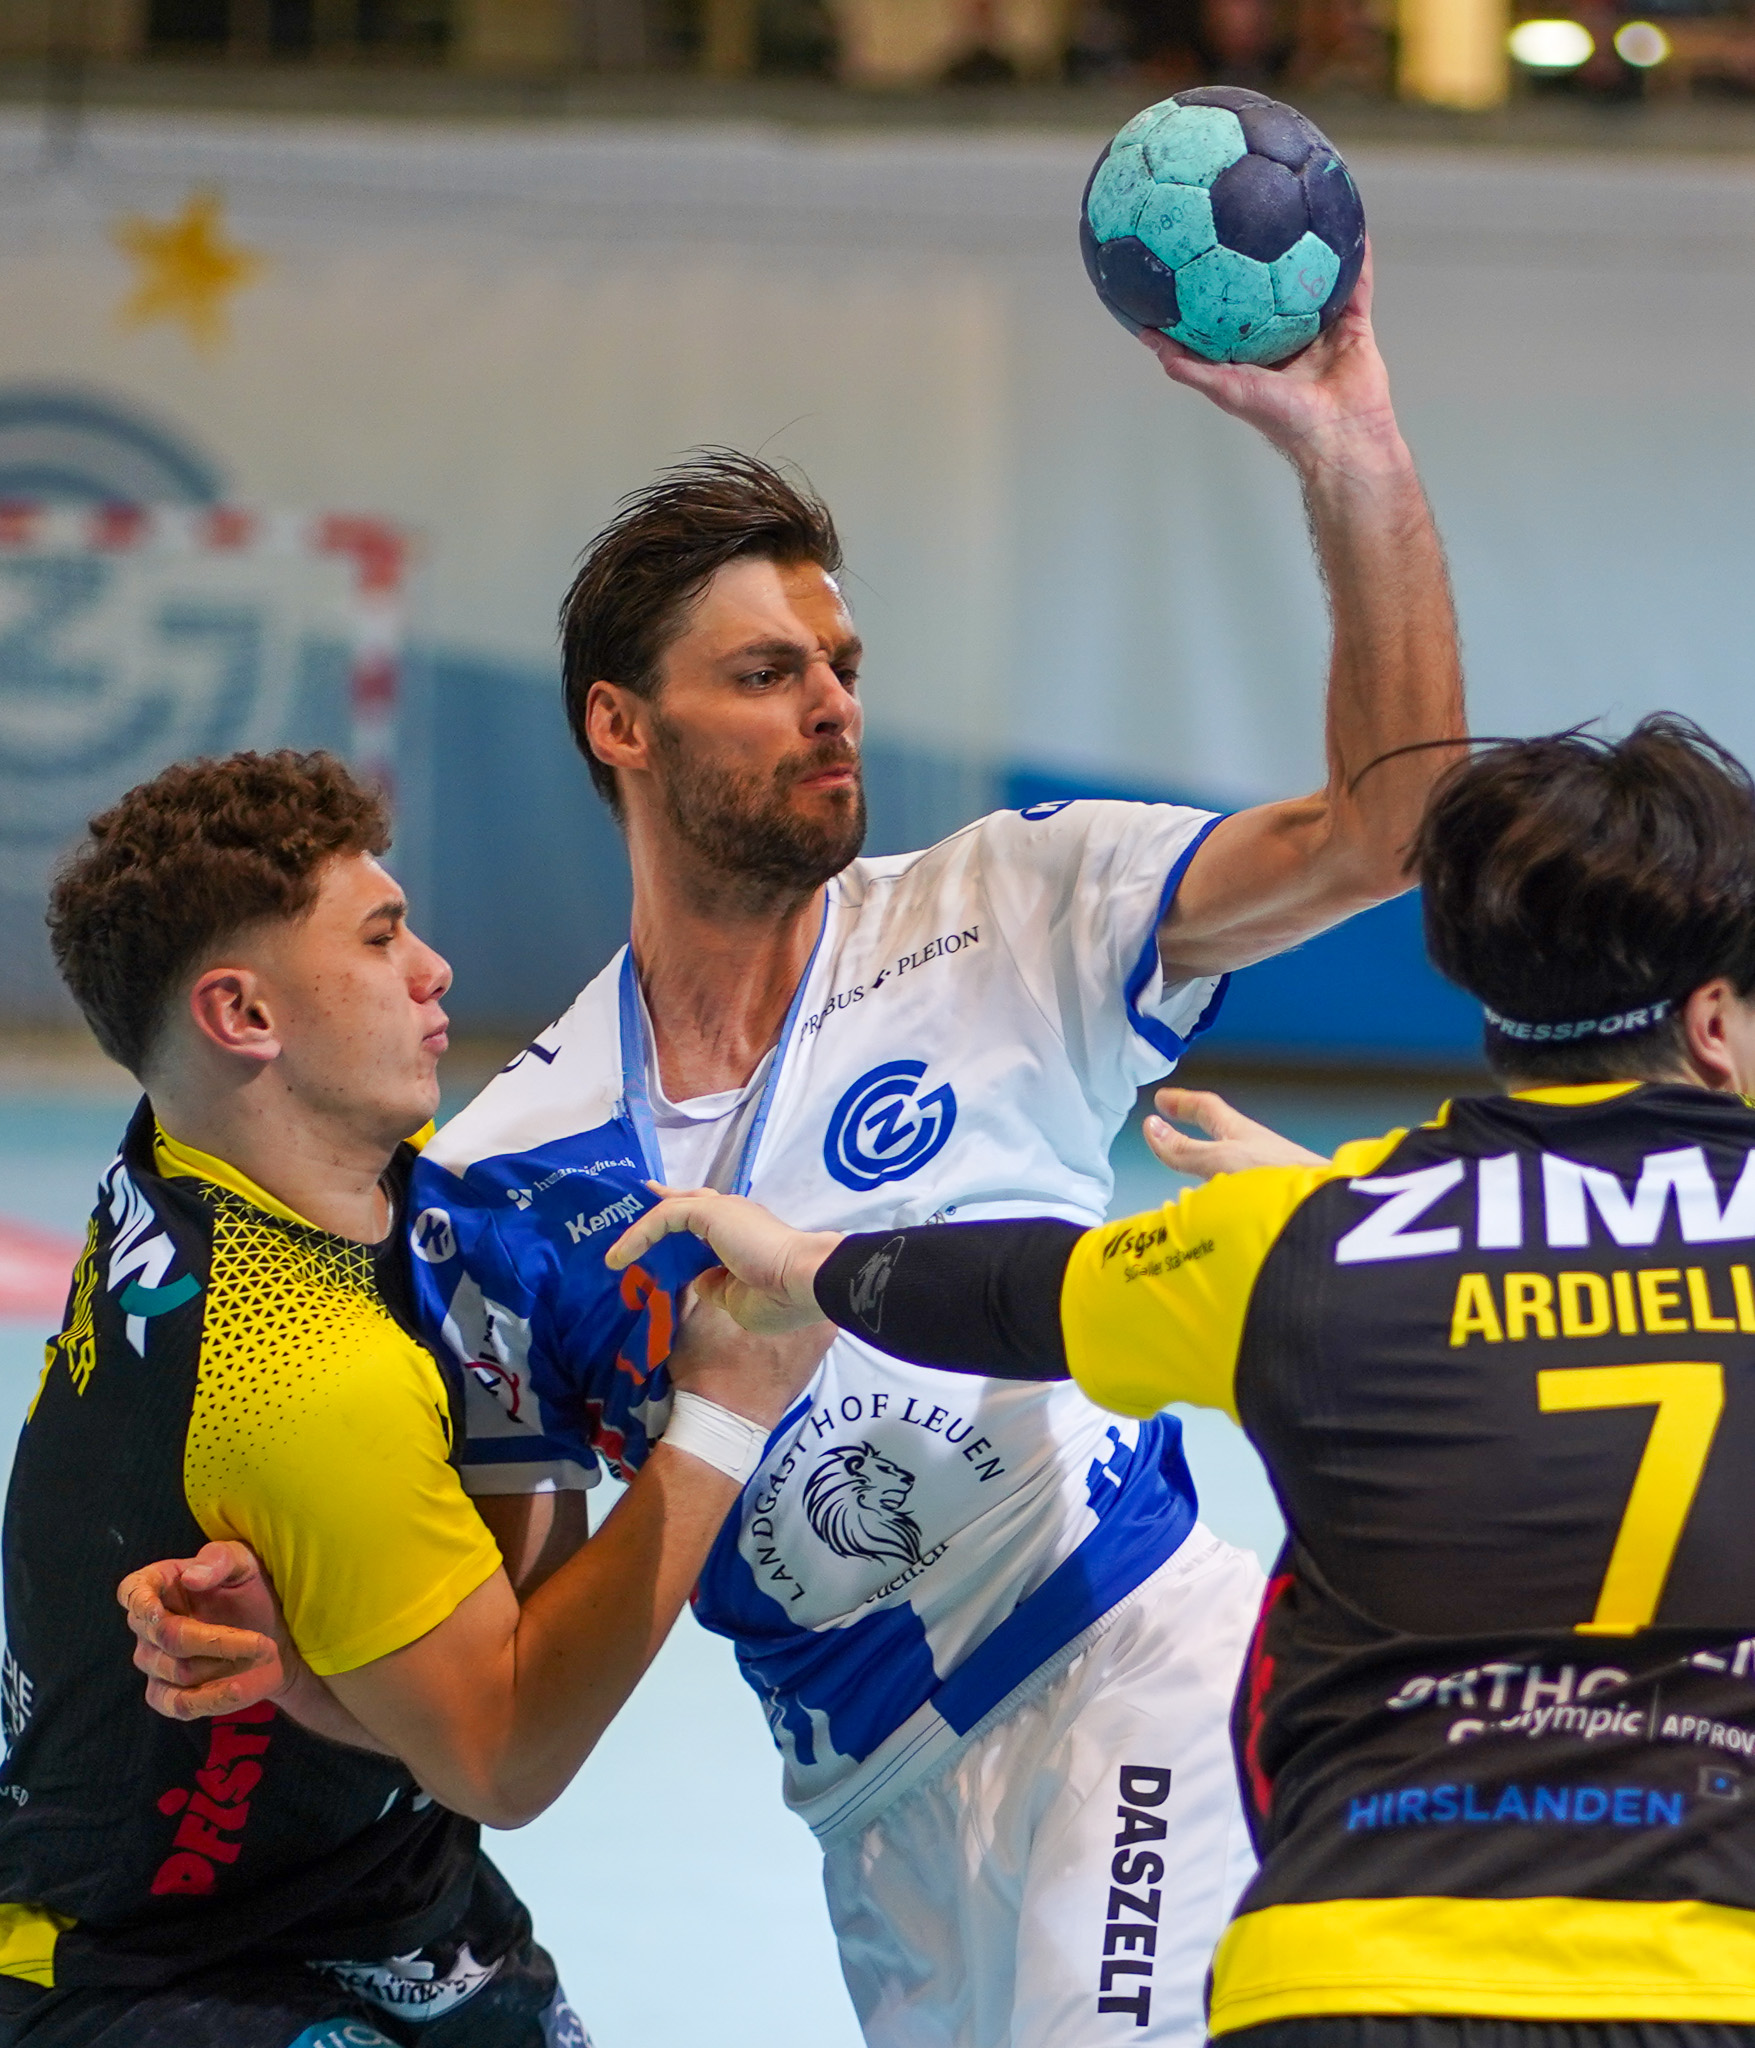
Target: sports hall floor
<point>679,1896</point>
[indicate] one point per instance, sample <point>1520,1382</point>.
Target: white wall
<point>490,333</point>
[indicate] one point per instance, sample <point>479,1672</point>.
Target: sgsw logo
<point>884,1129</point>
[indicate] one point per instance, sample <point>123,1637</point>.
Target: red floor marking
<point>35,1267</point>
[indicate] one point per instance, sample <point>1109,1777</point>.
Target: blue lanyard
<point>634,1053</point>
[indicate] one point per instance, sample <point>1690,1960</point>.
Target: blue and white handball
<point>1226,221</point>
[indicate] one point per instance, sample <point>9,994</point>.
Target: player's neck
<point>1683,1072</point>
<point>314,1164</point>
<point>718,970</point>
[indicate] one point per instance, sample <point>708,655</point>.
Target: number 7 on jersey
<point>1689,1400</point>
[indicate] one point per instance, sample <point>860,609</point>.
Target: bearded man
<point>980,1614</point>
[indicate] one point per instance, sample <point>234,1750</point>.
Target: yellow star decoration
<point>188,269</point>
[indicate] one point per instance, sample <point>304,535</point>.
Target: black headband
<point>1622,1026</point>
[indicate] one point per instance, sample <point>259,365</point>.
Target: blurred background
<point>335,328</point>
<point>1466,54</point>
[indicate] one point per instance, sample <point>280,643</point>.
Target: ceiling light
<point>1642,44</point>
<point>1551,45</point>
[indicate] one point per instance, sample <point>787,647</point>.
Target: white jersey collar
<point>637,1101</point>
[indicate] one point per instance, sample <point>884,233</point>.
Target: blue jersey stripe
<point>1151,1515</point>
<point>1157,1035</point>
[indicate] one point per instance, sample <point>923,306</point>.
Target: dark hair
<point>186,860</point>
<point>648,565</point>
<point>1573,879</point>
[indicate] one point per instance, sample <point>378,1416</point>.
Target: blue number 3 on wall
<point>884,1129</point>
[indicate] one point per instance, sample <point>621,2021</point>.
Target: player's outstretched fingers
<point>1195,1157</point>
<point>1234,1142</point>
<point>769,1265</point>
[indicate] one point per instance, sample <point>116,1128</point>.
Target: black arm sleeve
<point>966,1297</point>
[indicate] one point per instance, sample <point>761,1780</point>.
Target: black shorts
<point>487,1985</point>
<point>1365,2031</point>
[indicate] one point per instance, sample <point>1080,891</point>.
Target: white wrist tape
<point>714,1435</point>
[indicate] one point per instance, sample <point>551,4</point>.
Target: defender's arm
<point>536,1532</point>
<point>1268,877</point>
<point>495,1707</point>
<point>211,1623</point>
<point>1141,1312</point>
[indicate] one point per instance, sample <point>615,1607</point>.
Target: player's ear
<point>1708,1025</point>
<point>615,726</point>
<point>228,1007</point>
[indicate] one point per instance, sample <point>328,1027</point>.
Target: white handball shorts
<point>1063,1881</point>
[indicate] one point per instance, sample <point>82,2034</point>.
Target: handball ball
<point>1226,221</point>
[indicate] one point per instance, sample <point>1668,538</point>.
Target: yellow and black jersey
<point>227,1370</point>
<point>1496,1732</point>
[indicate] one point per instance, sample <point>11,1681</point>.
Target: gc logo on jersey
<point>885,1129</point>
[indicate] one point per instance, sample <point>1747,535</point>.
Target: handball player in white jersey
<point>996,1648</point>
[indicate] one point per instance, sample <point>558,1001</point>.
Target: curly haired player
<point>240,1363</point>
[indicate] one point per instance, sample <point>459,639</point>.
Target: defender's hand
<point>1233,1142</point>
<point>210,1634</point>
<point>769,1268</point>
<point>754,1376</point>
<point>1330,404</point>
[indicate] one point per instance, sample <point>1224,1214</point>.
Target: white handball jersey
<point>972,1030</point>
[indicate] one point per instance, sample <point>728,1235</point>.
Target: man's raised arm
<point>1268,877</point>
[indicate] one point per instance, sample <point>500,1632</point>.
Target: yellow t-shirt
<point>1153,1307</point>
<point>320,1432</point>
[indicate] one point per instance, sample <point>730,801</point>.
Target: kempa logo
<point>431,1237</point>
<point>884,1129</point>
<point>857,1501</point>
<point>582,1226</point>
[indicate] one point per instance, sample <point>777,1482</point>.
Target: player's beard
<point>746,827</point>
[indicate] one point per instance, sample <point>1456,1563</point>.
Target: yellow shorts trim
<point>28,1935</point>
<point>1535,1959</point>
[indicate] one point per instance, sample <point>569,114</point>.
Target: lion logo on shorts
<point>857,1501</point>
